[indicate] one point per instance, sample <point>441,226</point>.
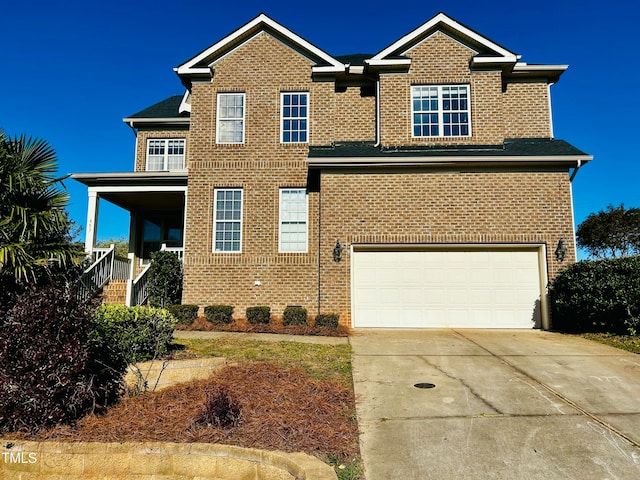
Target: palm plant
<point>34,228</point>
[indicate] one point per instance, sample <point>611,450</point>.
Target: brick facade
<point>410,205</point>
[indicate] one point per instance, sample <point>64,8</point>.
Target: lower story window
<point>227,225</point>
<point>294,208</point>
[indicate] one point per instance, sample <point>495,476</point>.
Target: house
<point>421,186</point>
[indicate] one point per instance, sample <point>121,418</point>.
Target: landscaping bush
<point>219,410</point>
<point>140,333</point>
<point>52,371</point>
<point>294,316</point>
<point>165,279</point>
<point>258,315</point>
<point>185,314</point>
<point>598,296</point>
<point>219,314</point>
<point>330,320</point>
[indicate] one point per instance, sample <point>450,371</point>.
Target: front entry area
<point>447,286</point>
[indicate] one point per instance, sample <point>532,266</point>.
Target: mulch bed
<point>280,408</point>
<point>274,326</point>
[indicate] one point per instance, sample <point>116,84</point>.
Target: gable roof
<point>487,50</point>
<point>203,63</point>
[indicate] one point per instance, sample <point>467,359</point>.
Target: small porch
<point>156,205</point>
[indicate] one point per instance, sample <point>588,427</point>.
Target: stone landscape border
<point>26,460</point>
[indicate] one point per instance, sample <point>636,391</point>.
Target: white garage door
<point>488,288</point>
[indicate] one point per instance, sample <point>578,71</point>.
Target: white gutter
<point>378,134</point>
<point>575,170</point>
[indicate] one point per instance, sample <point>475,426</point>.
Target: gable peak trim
<point>197,65</point>
<point>502,55</point>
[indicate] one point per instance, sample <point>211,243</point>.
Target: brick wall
<point>263,67</point>
<point>423,207</point>
<point>385,206</point>
<point>521,111</point>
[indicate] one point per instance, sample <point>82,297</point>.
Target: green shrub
<point>52,370</point>
<point>294,316</point>
<point>219,314</point>
<point>330,320</point>
<point>598,296</point>
<point>185,314</point>
<point>258,315</point>
<point>165,279</point>
<point>140,333</point>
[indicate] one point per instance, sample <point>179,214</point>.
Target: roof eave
<point>477,160</point>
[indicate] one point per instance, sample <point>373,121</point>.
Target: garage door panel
<point>439,288</point>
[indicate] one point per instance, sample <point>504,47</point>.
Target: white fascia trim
<point>185,104</point>
<point>184,120</point>
<point>526,68</point>
<point>329,69</point>
<point>149,188</point>
<point>188,67</point>
<point>490,60</point>
<point>385,62</point>
<point>326,161</point>
<point>442,18</point>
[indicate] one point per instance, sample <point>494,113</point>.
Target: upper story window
<point>165,154</point>
<point>227,224</point>
<point>441,111</point>
<point>294,113</point>
<point>230,127</point>
<point>294,206</point>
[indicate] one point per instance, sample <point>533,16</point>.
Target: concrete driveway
<point>506,404</point>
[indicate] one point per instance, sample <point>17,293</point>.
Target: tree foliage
<point>53,368</point>
<point>614,232</point>
<point>34,227</point>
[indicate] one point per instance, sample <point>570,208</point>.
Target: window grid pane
<point>295,114</point>
<point>293,220</point>
<point>165,154</point>
<point>228,220</point>
<point>230,118</point>
<point>440,111</point>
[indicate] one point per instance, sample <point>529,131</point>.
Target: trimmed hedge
<point>140,333</point>
<point>184,313</point>
<point>294,316</point>
<point>598,296</point>
<point>330,320</point>
<point>219,314</point>
<point>258,315</point>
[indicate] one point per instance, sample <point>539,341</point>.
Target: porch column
<point>92,221</point>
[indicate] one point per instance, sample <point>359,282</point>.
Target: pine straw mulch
<point>274,326</point>
<point>280,408</point>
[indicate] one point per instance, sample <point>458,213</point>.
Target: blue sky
<point>70,71</point>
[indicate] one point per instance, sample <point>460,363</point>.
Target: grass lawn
<point>624,342</point>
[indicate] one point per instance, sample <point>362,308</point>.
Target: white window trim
<point>441,111</point>
<point>215,210</point>
<point>244,114</point>
<point>282,119</point>
<point>165,162</point>
<point>280,210</point>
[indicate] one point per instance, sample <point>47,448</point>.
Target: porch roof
<point>138,191</point>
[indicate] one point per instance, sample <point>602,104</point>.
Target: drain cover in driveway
<point>424,385</point>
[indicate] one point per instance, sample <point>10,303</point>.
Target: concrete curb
<point>25,460</point>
